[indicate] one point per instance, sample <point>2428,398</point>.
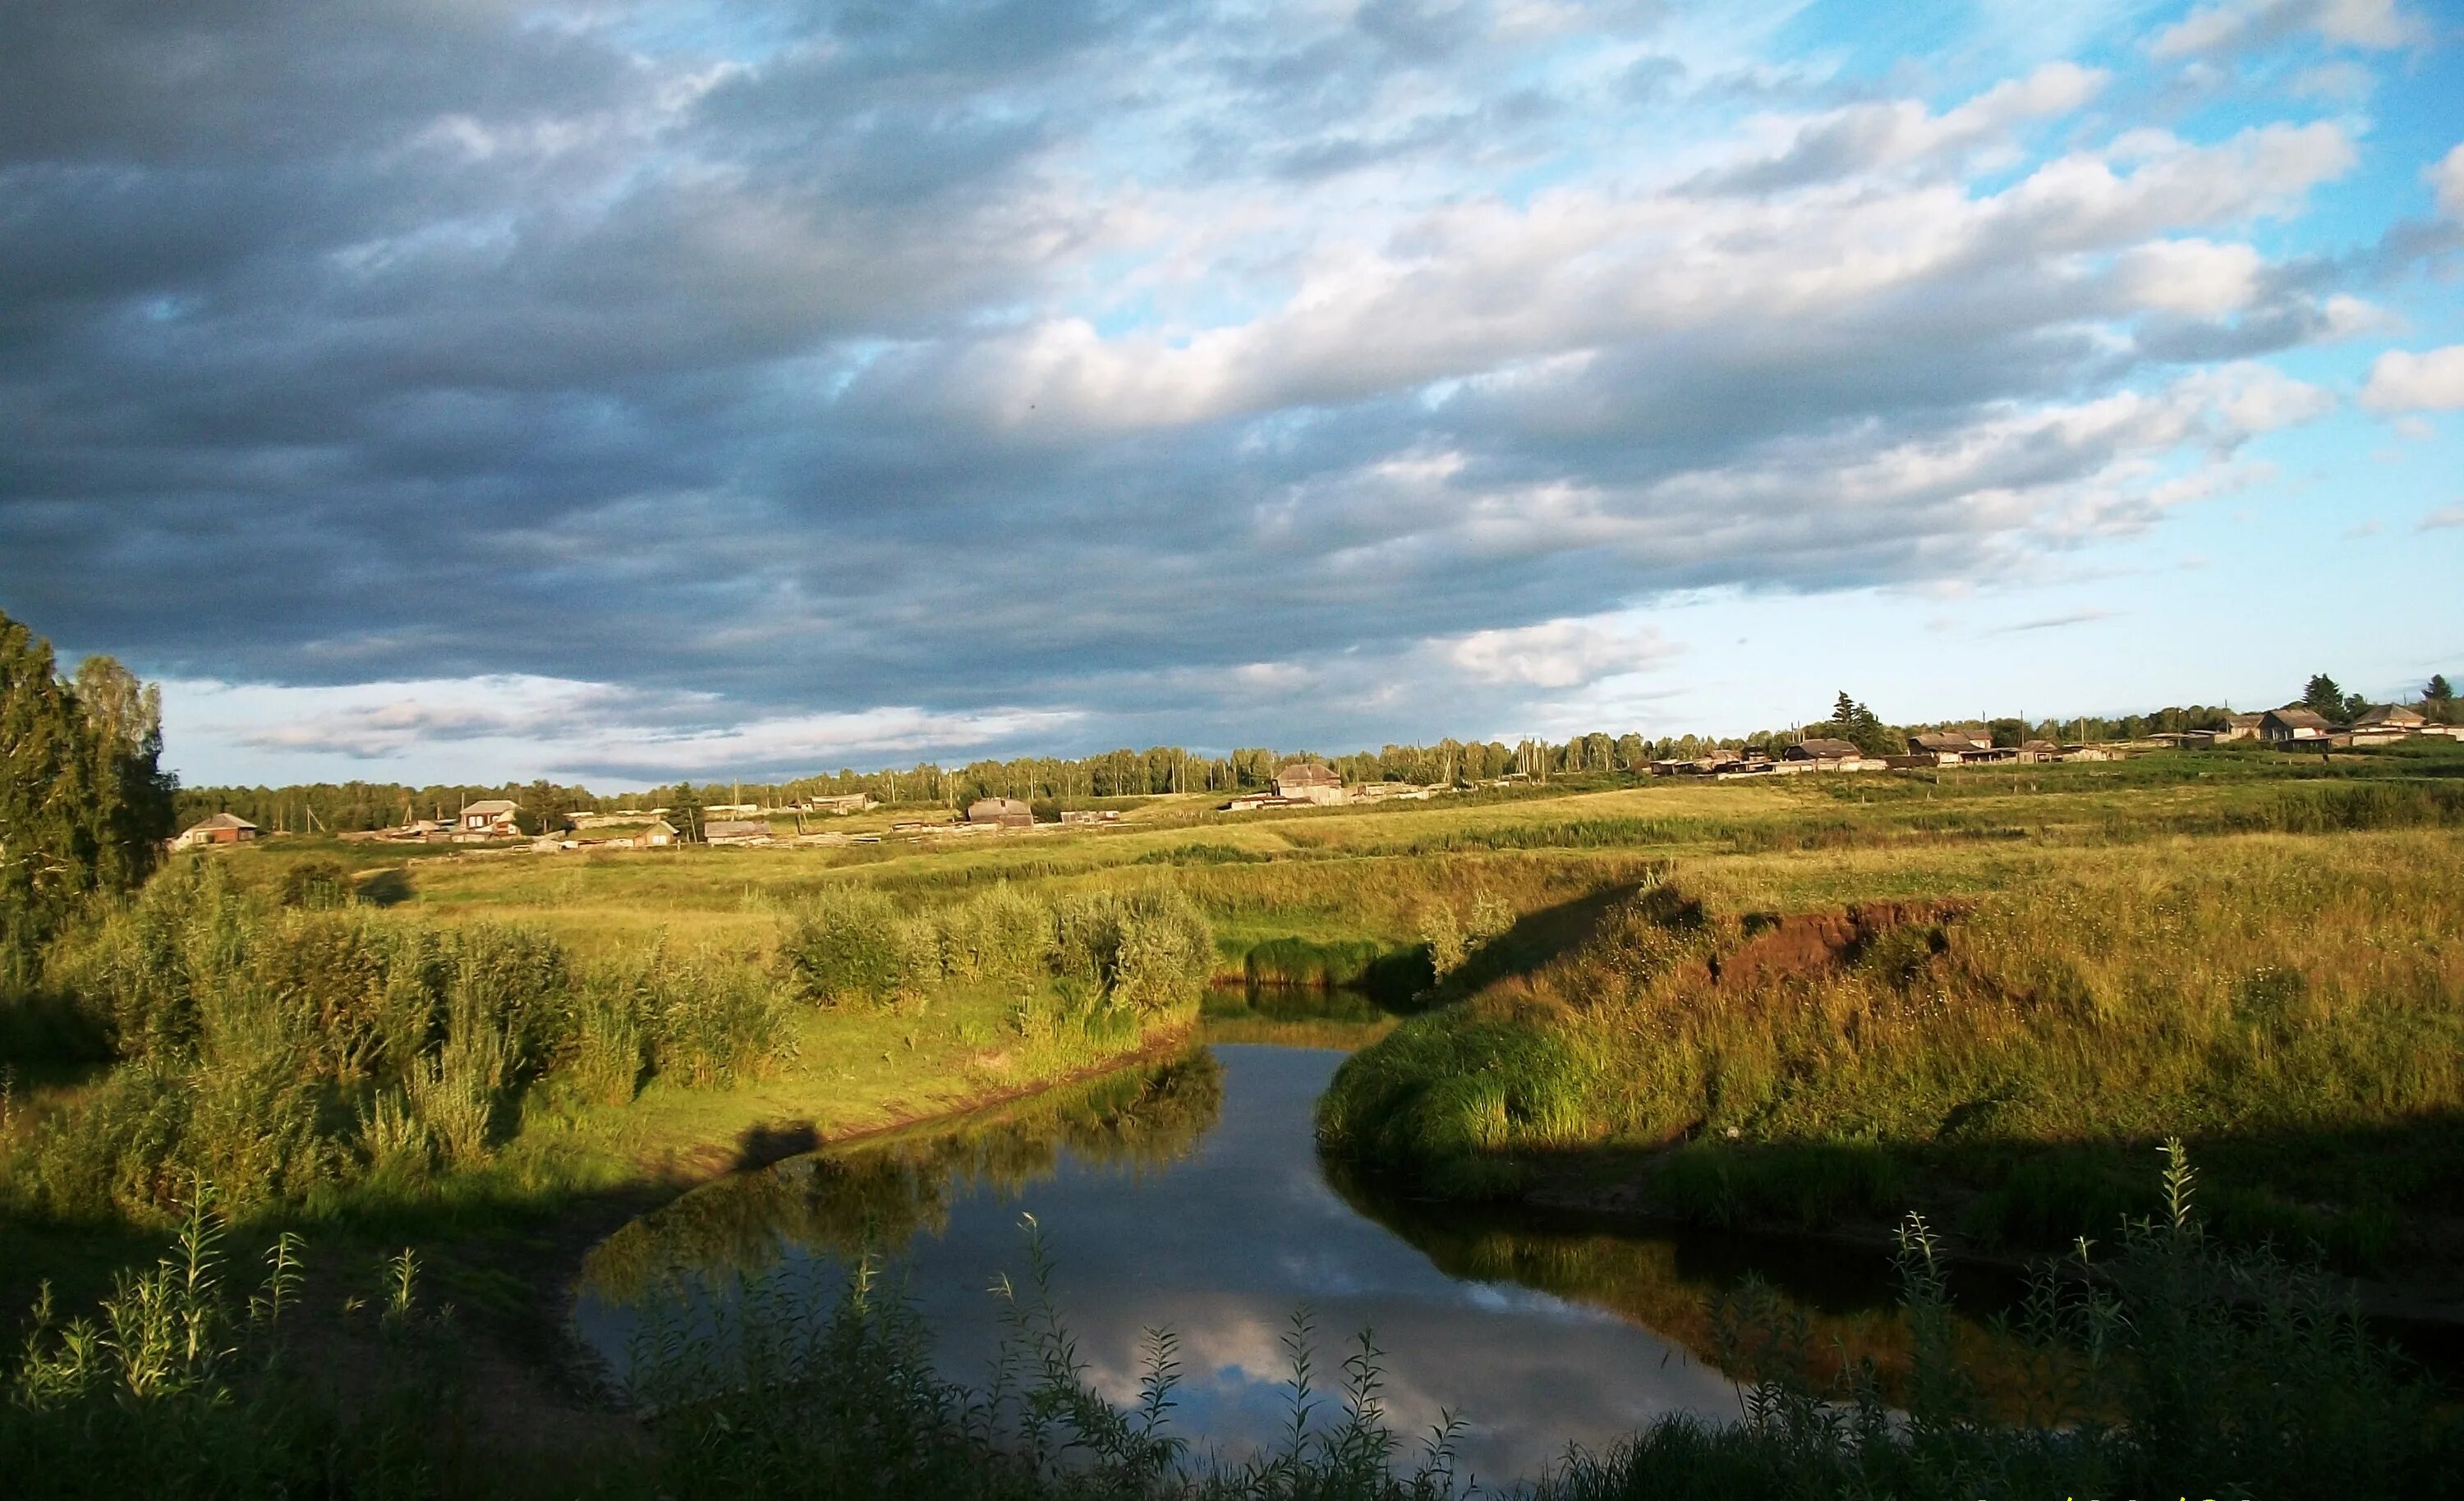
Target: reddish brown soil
<point>1807,945</point>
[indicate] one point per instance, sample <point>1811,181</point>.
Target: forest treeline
<point>84,804</point>
<point>1160,770</point>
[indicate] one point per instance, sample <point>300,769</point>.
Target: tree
<point>2323,697</point>
<point>1861,727</point>
<point>84,805</point>
<point>2438,700</point>
<point>684,811</point>
<point>134,799</point>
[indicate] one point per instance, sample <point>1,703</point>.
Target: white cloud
<point>1473,285</point>
<point>500,727</point>
<point>2237,24</point>
<point>2189,275</point>
<point>2340,82</point>
<point>2402,380</point>
<point>2442,518</point>
<point>1556,654</point>
<point>2447,178</point>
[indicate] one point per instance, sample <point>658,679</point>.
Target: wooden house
<point>2291,723</point>
<point>1005,813</point>
<point>1308,782</point>
<point>222,828</point>
<point>495,817</point>
<point>2390,717</point>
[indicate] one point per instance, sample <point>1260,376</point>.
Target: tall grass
<point>2260,995</point>
<point>280,1049</point>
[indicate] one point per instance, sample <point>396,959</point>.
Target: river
<point>1192,1196</point>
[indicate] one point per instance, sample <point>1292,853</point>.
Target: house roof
<point>2244,721</point>
<point>2389,714</point>
<point>983,810</point>
<point>489,807</point>
<point>2293,716</point>
<point>734,829</point>
<point>1942,740</point>
<point>2039,747</point>
<point>220,820</point>
<point>661,824</point>
<point>1308,773</point>
<point>1825,748</point>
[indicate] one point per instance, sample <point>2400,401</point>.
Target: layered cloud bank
<point>708,387</point>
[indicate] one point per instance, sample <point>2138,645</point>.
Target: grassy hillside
<point>1997,1028</point>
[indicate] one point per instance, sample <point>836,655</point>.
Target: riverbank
<point>2002,1049</point>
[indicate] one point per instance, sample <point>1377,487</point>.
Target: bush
<point>844,945</point>
<point>1001,935</point>
<point>1144,951</point>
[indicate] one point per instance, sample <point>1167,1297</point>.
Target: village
<point>495,825</point>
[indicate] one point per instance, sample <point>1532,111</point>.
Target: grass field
<point>1807,1003</point>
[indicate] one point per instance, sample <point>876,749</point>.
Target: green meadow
<point>1803,1006</point>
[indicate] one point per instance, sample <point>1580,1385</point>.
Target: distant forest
<point>337,808</point>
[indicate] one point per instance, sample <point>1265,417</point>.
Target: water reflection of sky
<point>1224,1243</point>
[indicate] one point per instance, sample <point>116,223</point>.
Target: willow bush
<point>1140,950</point>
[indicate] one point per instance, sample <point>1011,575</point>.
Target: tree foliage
<point>1861,727</point>
<point>2322,696</point>
<point>84,805</point>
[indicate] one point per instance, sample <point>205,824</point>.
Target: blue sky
<point>618,392</point>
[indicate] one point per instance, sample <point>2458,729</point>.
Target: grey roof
<point>984,809</point>
<point>220,820</point>
<point>1308,773</point>
<point>489,807</point>
<point>2389,714</point>
<point>1825,748</point>
<point>2293,716</point>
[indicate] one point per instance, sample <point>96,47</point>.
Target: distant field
<point>1366,873</point>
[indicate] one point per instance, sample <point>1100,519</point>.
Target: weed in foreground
<point>2173,1366</point>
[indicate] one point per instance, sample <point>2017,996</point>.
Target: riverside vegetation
<point>1810,1004</point>
<point>2171,1365</point>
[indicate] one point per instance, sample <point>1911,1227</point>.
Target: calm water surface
<point>1192,1196</point>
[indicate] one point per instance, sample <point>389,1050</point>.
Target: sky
<point>616,392</point>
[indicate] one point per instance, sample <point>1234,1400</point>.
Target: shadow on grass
<point>774,1141</point>
<point>1537,938</point>
<point>2369,1200</point>
<point>386,888</point>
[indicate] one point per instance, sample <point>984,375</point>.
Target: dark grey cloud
<point>790,357</point>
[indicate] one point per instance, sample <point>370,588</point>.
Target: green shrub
<point>1001,935</point>
<point>843,945</point>
<point>1442,1100</point>
<point>1145,950</point>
